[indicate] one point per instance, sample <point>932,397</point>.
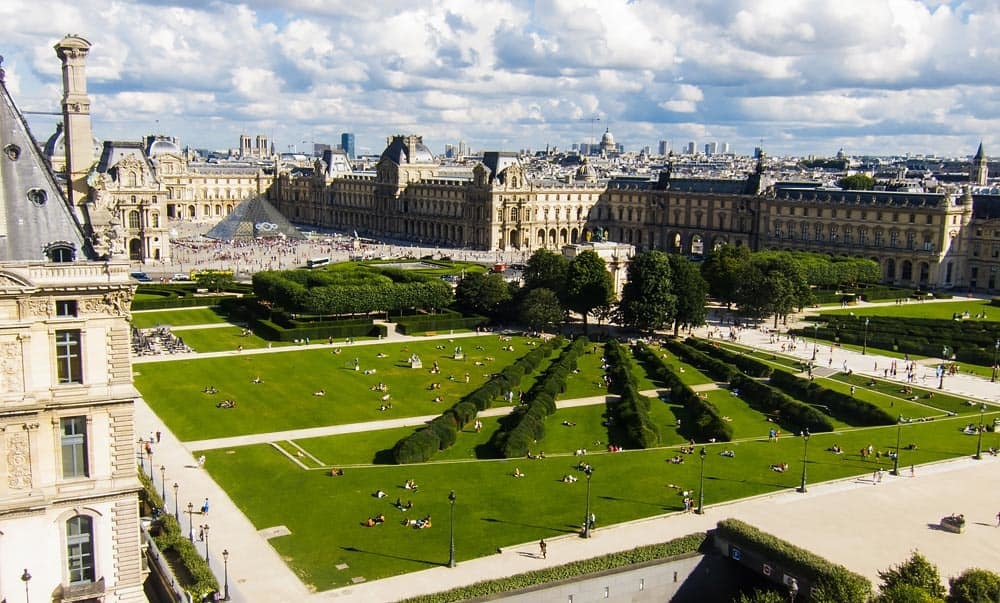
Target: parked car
<point>142,277</point>
<point>180,277</point>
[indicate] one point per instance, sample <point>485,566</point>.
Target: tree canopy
<point>588,284</point>
<point>857,182</point>
<point>481,293</point>
<point>540,309</point>
<point>545,269</point>
<point>690,290</point>
<point>648,301</point>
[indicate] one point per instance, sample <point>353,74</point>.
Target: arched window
<point>80,549</point>
<point>60,252</point>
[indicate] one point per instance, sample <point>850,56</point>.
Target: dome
<point>608,140</point>
<point>407,149</point>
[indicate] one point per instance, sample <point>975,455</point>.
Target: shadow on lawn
<point>639,502</point>
<point>571,530</point>
<point>352,549</point>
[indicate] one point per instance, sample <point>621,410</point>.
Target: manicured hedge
<point>790,413</point>
<point>704,421</point>
<point>197,578</point>
<point>842,406</point>
<point>321,331</point>
<point>176,296</point>
<point>440,322</point>
<point>970,340</point>
<point>631,412</point>
<point>442,432</point>
<point>714,368</point>
<point>746,364</point>
<point>526,424</point>
<point>834,583</point>
<point>577,570</point>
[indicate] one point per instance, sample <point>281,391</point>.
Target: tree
<point>916,571</point>
<point>721,270</point>
<point>482,293</point>
<point>905,593</point>
<point>974,585</point>
<point>857,182</point>
<point>540,308</point>
<point>762,596</point>
<point>588,284</point>
<point>691,291</point>
<point>648,302</point>
<point>214,281</point>
<point>545,269</point>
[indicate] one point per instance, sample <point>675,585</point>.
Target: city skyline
<point>806,78</point>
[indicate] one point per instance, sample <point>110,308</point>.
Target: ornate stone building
<point>128,192</point>
<point>495,207</point>
<point>69,520</point>
<point>919,239</point>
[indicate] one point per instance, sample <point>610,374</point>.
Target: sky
<point>806,77</point>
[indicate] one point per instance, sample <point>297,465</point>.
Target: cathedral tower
<point>980,172</point>
<point>79,139</point>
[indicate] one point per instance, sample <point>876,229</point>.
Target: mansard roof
<point>254,218</point>
<point>116,150</point>
<point>816,193</point>
<point>35,216</point>
<point>986,206</point>
<point>402,149</point>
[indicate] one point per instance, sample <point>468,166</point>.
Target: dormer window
<point>37,196</point>
<point>60,252</point>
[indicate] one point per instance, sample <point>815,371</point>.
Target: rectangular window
<point>74,446</point>
<point>930,219</point>
<point>69,367</point>
<point>66,308</point>
<point>80,549</point>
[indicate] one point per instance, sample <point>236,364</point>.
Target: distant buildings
<point>347,144</point>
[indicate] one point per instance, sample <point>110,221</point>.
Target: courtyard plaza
<point>866,526</point>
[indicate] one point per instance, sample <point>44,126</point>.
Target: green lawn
<point>325,514</point>
<point>178,318</point>
<point>937,309</point>
<point>285,399</point>
<point>495,509</point>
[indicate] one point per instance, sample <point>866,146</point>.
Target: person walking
<point>204,507</point>
<point>543,547</point>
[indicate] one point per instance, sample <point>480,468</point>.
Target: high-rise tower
<point>79,139</point>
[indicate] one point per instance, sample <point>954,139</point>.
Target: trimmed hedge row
<point>704,422</point>
<point>176,296</point>
<point>791,414</point>
<point>202,580</point>
<point>631,413</point>
<point>275,332</point>
<point>833,583</point>
<point>576,570</point>
<point>442,431</point>
<point>969,340</point>
<point>842,406</point>
<point>446,320</point>
<point>746,364</point>
<point>714,368</point>
<point>526,423</point>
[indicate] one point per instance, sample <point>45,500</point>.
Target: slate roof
<point>34,212</point>
<point>254,218</point>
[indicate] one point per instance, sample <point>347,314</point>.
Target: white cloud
<point>492,71</point>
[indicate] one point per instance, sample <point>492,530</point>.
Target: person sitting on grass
<point>569,423</point>
<point>569,479</point>
<point>335,472</point>
<point>517,472</point>
<point>379,494</point>
<point>780,467</point>
<point>319,392</point>
<point>210,390</point>
<point>836,449</point>
<point>226,404</point>
<point>257,380</point>
<point>410,485</point>
<point>729,453</point>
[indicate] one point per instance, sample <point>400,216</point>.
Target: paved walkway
<point>864,526</point>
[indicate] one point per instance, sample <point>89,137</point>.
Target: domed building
<point>608,146</point>
<point>54,149</point>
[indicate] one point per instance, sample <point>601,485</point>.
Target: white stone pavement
<point>853,522</point>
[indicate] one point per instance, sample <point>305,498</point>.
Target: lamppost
<point>225,573</point>
<point>895,459</point>
<point>149,453</point>
<point>864,348</point>
<point>163,484</point>
<point>793,589</point>
<point>996,368</point>
<point>142,462</point>
<point>586,518</point>
<point>205,530</point>
<point>190,512</point>
<point>701,483</point>
<point>176,515</point>
<point>805,458</point>
<point>815,340</point>
<point>943,368</point>
<point>25,577</point>
<point>979,443</point>
<point>451,546</point>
